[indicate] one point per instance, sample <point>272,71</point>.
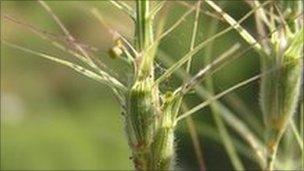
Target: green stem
<point>149,124</point>
<point>280,91</point>
<point>223,132</point>
<point>142,28</point>
<point>272,151</point>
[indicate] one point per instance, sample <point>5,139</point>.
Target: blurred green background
<point>53,118</point>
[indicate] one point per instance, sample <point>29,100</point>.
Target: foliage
<point>151,113</point>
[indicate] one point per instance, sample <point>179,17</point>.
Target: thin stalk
<point>207,131</point>
<point>216,97</point>
<point>200,46</point>
<point>245,113</point>
<point>124,7</point>
<point>241,128</point>
<point>195,140</point>
<point>237,26</point>
<point>47,36</point>
<point>226,139</point>
<point>114,33</point>
<point>227,115</point>
<point>296,134</point>
<point>207,13</point>
<point>262,14</point>
<point>54,40</point>
<point>155,10</point>
<point>88,59</point>
<point>210,68</point>
<point>64,29</point>
<point>279,90</point>
<point>190,123</point>
<point>121,43</point>
<point>194,33</point>
<point>174,26</point>
<point>105,79</point>
<point>220,124</point>
<point>219,95</point>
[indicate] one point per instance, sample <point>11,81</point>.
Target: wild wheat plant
<point>151,114</point>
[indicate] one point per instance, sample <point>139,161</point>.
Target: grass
<point>279,89</point>
<point>152,114</point>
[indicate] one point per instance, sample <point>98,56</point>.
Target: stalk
<point>221,127</point>
<point>151,117</point>
<point>149,125</point>
<point>280,89</point>
<point>280,92</point>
